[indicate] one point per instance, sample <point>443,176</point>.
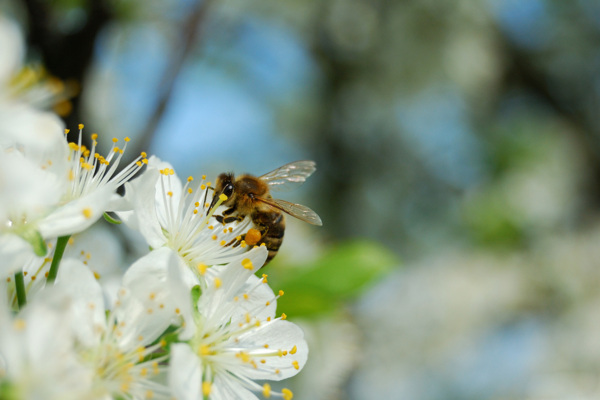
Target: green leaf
<point>340,275</point>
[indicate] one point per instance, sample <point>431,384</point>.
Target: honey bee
<point>250,196</point>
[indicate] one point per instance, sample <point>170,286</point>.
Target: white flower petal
<point>37,349</point>
<point>280,335</point>
<point>185,373</point>
<point>140,193</point>
<point>37,134</point>
<point>11,48</point>
<point>14,253</point>
<point>77,282</point>
<point>226,388</point>
<point>147,280</point>
<point>232,278</point>
<point>76,215</point>
<point>28,192</point>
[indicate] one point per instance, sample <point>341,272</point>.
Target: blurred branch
<point>191,33</point>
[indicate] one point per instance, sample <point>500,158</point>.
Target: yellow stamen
<point>287,394</point>
<point>247,263</point>
<point>206,388</point>
<point>266,390</point>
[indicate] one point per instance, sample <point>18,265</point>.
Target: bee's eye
<point>228,190</point>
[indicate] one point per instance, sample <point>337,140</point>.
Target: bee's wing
<point>289,176</point>
<point>295,210</point>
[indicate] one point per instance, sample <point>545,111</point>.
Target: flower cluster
<point>190,319</point>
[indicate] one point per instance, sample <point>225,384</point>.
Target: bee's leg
<point>230,210</point>
<point>224,219</point>
<point>228,220</point>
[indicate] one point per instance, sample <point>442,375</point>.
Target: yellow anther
<point>281,293</point>
<point>204,350</point>
<point>245,357</point>
<point>145,161</point>
<point>202,268</point>
<point>87,212</point>
<point>144,372</point>
<point>115,140</point>
<point>143,154</point>
<point>246,297</point>
<point>177,311</point>
<point>94,136</point>
<point>170,194</point>
<point>214,237</point>
<point>19,324</point>
<point>247,264</point>
<point>206,388</point>
<point>67,131</point>
<point>202,187</point>
<point>217,283</point>
<point>264,278</point>
<point>190,178</point>
<point>293,350</point>
<point>236,298</point>
<point>295,364</point>
<point>140,338</point>
<point>266,390</point>
<point>222,197</point>
<point>80,126</point>
<point>283,316</point>
<point>287,394</point>
<point>266,346</point>
<point>190,190</point>
<point>126,139</point>
<point>223,242</point>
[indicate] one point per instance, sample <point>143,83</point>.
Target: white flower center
<point>188,228</point>
<point>90,171</point>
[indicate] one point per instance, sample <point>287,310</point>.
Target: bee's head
<point>225,185</point>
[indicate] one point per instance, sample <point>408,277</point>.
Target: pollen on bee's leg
<point>252,236</point>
